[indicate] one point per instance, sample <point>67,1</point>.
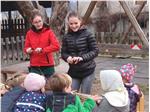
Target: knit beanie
<point>127,71</point>
<point>34,82</point>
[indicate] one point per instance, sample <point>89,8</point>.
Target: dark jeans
<point>47,71</point>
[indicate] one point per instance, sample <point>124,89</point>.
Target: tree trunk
<point>26,9</point>
<point>57,22</point>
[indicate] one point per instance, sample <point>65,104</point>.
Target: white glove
<point>38,50</point>
<point>29,50</point>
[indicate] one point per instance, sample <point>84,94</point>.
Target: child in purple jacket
<point>127,72</point>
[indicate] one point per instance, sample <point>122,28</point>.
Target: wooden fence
<point>115,37</point>
<point>12,50</point>
<point>12,41</point>
<point>13,27</point>
<point>108,43</point>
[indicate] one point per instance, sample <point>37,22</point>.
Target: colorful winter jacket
<point>32,101</point>
<point>134,95</point>
<point>45,39</point>
<point>9,99</point>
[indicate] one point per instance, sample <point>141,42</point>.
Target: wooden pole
<point>134,23</point>
<point>130,26</point>
<point>88,12</point>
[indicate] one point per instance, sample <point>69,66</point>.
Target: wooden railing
<point>12,50</point>
<point>109,44</point>
<point>12,41</point>
<point>13,27</point>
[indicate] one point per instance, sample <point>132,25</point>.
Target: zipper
<point>47,58</point>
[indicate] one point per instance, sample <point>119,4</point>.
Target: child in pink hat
<point>127,72</point>
<point>33,100</point>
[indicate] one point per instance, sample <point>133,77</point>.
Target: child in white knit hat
<point>33,100</point>
<point>115,97</point>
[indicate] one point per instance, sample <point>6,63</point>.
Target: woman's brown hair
<point>73,14</point>
<point>35,13</point>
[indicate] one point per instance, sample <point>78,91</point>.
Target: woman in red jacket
<point>40,43</point>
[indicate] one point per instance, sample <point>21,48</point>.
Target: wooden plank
<point>88,12</point>
<point>13,48</point>
<point>2,25</point>
<point>140,104</point>
<point>7,49</point>
<point>22,47</point>
<point>18,48</point>
<point>130,25</point>
<point>2,50</point>
<point>112,49</point>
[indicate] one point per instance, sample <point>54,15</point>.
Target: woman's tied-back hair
<point>73,14</point>
<point>35,13</point>
<point>58,82</point>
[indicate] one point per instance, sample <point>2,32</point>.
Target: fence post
<point>13,48</point>
<point>18,48</point>
<point>7,49</point>
<point>2,48</point>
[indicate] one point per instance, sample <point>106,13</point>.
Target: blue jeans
<point>85,84</point>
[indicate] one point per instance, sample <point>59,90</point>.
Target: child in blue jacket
<point>15,85</point>
<point>33,100</point>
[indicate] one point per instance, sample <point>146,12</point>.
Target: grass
<point>144,88</point>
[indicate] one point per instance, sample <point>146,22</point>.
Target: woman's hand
<point>38,50</point>
<point>70,60</point>
<point>96,98</point>
<point>74,60</point>
<point>29,50</point>
<point>77,59</point>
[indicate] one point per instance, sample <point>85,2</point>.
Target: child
<point>115,98</point>
<point>33,100</point>
<point>79,48</point>
<point>127,72</point>
<point>62,100</point>
<point>14,90</point>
